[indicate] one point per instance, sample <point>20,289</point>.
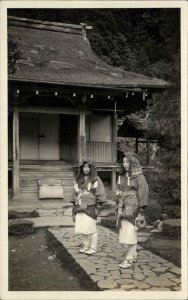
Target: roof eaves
<point>115,87</point>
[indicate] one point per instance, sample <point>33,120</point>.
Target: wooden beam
<point>15,152</point>
<point>81,135</point>
<point>114,138</point>
<point>136,149</point>
<point>107,110</point>
<point>51,110</point>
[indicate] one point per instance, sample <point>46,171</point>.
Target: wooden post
<point>81,135</point>
<point>113,179</point>
<point>148,152</point>
<point>114,150</point>
<point>15,152</point>
<point>136,149</point>
<point>114,138</point>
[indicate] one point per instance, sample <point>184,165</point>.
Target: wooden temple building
<point>63,106</point>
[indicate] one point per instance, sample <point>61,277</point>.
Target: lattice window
<point>99,152</point>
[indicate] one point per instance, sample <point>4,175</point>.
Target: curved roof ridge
<point>48,25</point>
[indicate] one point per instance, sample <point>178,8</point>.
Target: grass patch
<point>20,227</point>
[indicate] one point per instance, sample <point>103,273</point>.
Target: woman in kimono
<point>88,196</point>
<point>132,195</point>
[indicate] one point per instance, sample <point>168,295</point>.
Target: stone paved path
<point>150,272</point>
<point>51,221</point>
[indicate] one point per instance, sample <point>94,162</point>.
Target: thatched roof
<point>132,127</point>
<point>61,54</point>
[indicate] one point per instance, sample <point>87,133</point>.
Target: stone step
<point>27,204</point>
<point>59,210</point>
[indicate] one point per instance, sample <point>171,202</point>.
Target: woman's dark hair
<point>134,164</point>
<point>121,170</point>
<point>93,172</point>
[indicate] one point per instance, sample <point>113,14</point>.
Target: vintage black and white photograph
<point>94,150</point>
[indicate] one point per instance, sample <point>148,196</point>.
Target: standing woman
<point>88,196</point>
<point>132,194</point>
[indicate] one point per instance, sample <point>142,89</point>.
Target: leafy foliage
<point>153,212</point>
<point>20,227</point>
<point>14,53</point>
<point>172,227</point>
<point>172,211</point>
<point>12,214</point>
<point>164,124</point>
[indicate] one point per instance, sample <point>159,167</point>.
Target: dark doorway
<point>68,138</point>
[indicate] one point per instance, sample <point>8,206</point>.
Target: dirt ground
<point>35,266</point>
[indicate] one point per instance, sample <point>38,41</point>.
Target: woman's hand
<point>78,191</point>
<point>85,192</point>
<point>98,210</point>
<point>118,221</point>
<point>141,211</point>
<point>118,193</point>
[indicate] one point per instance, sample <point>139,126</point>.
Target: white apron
<point>127,233</point>
<point>84,224</point>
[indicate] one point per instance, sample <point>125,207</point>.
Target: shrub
<point>172,227</point>
<point>20,227</point>
<point>109,221</point>
<point>12,214</point>
<point>172,211</point>
<point>153,212</point>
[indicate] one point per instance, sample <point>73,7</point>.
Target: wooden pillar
<point>113,179</point>
<point>114,150</point>
<point>114,138</point>
<point>136,148</point>
<point>148,152</point>
<point>15,152</point>
<point>81,135</point>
